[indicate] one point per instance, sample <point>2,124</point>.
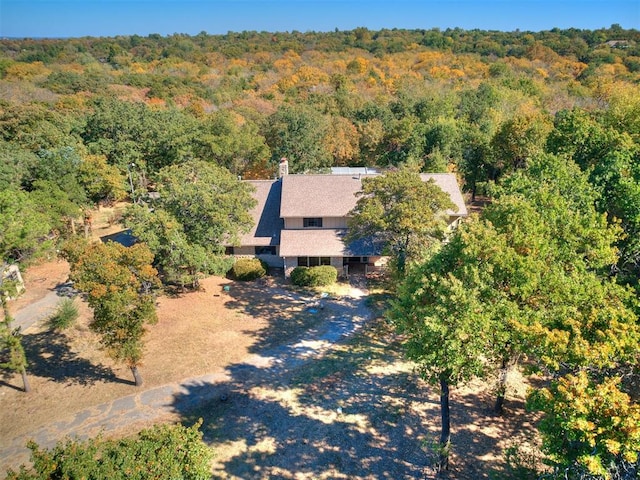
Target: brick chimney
<point>283,167</point>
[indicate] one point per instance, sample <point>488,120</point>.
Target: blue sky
<point>75,18</point>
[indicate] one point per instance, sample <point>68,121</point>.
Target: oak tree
<point>118,282</point>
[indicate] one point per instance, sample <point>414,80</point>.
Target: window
<point>268,250</point>
<point>312,222</point>
<point>313,261</point>
<point>228,251</point>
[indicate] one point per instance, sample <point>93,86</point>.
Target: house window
<point>312,222</point>
<point>313,261</point>
<point>266,250</point>
<point>228,251</point>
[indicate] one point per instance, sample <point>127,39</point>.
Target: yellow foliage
<point>309,74</point>
<point>283,64</point>
<point>137,67</point>
<point>72,67</point>
<point>358,65</point>
<point>155,102</point>
<point>20,70</point>
<point>542,72</point>
<point>238,62</point>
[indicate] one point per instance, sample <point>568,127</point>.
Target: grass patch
<point>66,314</point>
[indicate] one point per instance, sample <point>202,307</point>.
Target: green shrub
<point>162,452</point>
<point>248,269</point>
<point>65,315</point>
<point>314,276</point>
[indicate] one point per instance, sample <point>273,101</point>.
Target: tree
<point>118,282</point>
<point>23,229</point>
<point>401,212</point>
<point>210,203</point>
<point>178,259</point>
<point>161,452</point>
<point>518,140</point>
<point>12,355</point>
<point>445,336</point>
<point>231,141</point>
<point>298,133</point>
<point>103,182</point>
<point>610,159</point>
<point>525,278</point>
<point>589,429</point>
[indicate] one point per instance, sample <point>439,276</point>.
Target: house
<point>300,220</point>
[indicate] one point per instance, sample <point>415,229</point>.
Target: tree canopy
<point>402,212</point>
<point>118,282</point>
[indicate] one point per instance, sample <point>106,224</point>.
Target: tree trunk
<point>136,375</point>
<point>25,381</point>
<point>498,408</point>
<point>445,432</point>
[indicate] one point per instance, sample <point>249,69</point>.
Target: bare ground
<point>358,411</point>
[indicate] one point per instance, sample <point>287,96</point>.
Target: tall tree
<point>524,278</point>
<point>589,429</point>
<point>401,212</point>
<point>231,141</point>
<point>118,282</point>
<point>211,204</point>
<point>178,259</point>
<point>201,209</point>
<point>298,132</point>
<point>23,229</point>
<point>12,355</point>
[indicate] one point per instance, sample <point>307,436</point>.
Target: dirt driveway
<point>293,405</point>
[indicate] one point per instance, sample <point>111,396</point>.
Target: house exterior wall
<point>292,262</point>
<point>294,223</point>
<point>250,252</point>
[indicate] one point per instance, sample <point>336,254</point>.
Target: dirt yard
<point>358,412</point>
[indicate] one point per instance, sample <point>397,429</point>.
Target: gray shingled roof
<point>319,195</point>
<point>335,195</point>
<point>266,214</point>
<point>448,183</point>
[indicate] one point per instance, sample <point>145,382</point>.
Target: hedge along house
<point>301,220</point>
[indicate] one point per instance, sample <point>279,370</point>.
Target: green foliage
<point>12,355</point>
<point>525,277</point>
<point>298,133</point>
<point>248,269</point>
<point>208,201</point>
<point>15,163</point>
<point>178,259</point>
<point>23,229</point>
<point>314,276</point>
<point>201,208</point>
<point>231,142</point>
<point>592,426</point>
<point>103,183</point>
<point>118,282</point>
<point>401,212</point>
<point>164,452</point>
<point>65,315</point>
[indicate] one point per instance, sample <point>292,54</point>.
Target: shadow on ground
<point>302,408</point>
<point>50,357</point>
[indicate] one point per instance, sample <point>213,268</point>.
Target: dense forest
<point>544,124</point>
